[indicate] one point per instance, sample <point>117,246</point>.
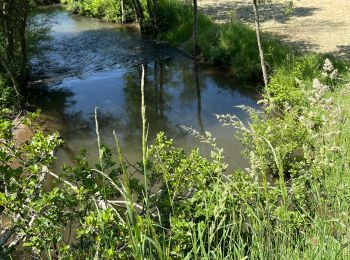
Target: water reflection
<point>83,75</point>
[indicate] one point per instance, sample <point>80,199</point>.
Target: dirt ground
<point>314,25</point>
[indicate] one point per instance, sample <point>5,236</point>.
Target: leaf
<point>3,198</point>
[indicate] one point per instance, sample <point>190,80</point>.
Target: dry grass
<point>315,25</point>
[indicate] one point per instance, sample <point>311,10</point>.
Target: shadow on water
<point>100,67</point>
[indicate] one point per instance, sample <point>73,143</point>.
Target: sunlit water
<point>95,64</point>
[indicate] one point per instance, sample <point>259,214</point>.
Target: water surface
<point>95,64</point>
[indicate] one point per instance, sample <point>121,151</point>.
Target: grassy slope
<point>230,45</point>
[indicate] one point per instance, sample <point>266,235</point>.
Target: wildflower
<point>329,101</point>
<point>208,134</point>
<point>334,74</point>
<point>328,66</point>
<point>319,89</point>
<point>312,100</point>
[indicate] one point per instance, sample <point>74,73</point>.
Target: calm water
<point>94,64</point>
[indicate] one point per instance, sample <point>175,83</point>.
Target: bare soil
<point>313,26</point>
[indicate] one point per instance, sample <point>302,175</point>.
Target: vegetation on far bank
<point>229,45</point>
<point>21,37</point>
<point>292,202</point>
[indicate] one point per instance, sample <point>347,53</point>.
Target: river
<point>95,64</point>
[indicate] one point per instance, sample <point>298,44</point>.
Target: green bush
<point>292,77</point>
<point>106,10</point>
<point>233,44</point>
<point>7,97</point>
<point>292,201</point>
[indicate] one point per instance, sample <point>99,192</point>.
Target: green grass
<point>284,86</point>
<point>7,97</point>
<point>230,45</point>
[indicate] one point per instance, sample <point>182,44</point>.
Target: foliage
<point>290,78</point>
<point>107,10</point>
<point>19,33</point>
<point>23,171</point>
<point>292,201</point>
<point>7,97</point>
<point>231,44</point>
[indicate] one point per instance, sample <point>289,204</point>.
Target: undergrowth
<point>292,202</point>
<point>106,10</point>
<point>7,97</point>
<point>230,45</point>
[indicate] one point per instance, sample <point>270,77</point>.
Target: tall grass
<point>279,209</point>
<point>292,202</point>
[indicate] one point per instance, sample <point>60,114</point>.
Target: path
<point>314,25</point>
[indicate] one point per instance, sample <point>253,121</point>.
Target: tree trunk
<point>24,72</point>
<point>151,14</point>
<point>13,79</point>
<point>8,30</point>
<point>155,17</point>
<point>139,14</point>
<point>122,10</point>
<point>195,28</point>
<point>261,51</point>
<point>199,99</point>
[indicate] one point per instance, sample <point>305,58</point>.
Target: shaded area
<point>343,51</point>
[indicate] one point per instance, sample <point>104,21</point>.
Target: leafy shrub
<point>290,79</point>
<point>175,21</point>
<point>7,97</point>
<point>231,44</point>
<point>107,10</point>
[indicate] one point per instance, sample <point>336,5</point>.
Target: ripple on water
<point>94,64</point>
